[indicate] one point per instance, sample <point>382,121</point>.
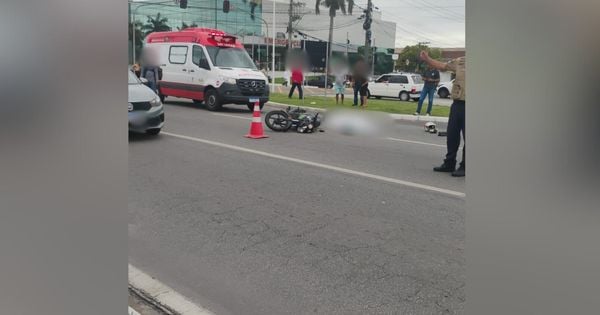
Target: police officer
<point>456,121</point>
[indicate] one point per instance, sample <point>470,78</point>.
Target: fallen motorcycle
<point>293,118</point>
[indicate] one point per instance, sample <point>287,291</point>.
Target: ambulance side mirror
<point>203,63</point>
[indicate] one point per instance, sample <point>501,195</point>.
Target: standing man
<point>361,82</point>
<point>456,121</point>
<point>297,80</point>
<point>339,85</point>
<point>431,76</point>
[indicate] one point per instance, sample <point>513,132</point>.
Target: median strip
<point>320,165</point>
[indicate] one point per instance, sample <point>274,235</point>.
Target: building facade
<point>252,22</point>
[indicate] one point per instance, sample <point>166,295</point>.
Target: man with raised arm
<point>456,121</point>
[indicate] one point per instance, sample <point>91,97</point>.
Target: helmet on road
<point>430,127</point>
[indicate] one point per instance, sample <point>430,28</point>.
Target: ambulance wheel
<point>162,98</point>
<point>212,101</point>
<point>251,106</point>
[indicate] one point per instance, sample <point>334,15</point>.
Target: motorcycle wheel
<point>278,120</point>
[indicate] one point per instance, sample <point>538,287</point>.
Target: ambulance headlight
<point>155,101</point>
<point>228,80</point>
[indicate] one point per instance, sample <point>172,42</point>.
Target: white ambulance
<point>207,65</point>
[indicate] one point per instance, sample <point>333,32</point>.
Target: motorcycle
<point>293,118</point>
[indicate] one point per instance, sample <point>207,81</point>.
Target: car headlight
<point>155,101</point>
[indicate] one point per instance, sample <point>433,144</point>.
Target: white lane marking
<point>416,142</point>
<point>320,165</point>
<point>164,294</point>
<point>233,116</point>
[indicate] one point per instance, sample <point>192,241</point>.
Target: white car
<point>145,110</point>
<point>444,89</point>
<point>404,86</point>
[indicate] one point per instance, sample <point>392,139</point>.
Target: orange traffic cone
<point>256,127</point>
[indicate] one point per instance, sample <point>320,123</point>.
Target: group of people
<point>360,83</point>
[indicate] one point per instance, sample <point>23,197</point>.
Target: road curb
<point>400,117</point>
<point>162,296</point>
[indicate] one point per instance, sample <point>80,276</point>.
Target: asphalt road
<point>244,233</point>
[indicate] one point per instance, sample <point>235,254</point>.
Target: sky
<point>440,22</point>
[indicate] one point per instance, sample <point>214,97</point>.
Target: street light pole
<point>133,12</point>
<point>273,61</point>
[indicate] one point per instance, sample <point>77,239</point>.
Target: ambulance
<point>207,65</point>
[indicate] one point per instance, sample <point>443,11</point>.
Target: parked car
<point>443,89</point>
<point>319,81</point>
<point>146,114</point>
<point>405,86</point>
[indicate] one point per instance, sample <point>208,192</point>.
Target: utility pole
<point>367,28</point>
<point>289,28</point>
<point>347,44</point>
<point>373,57</point>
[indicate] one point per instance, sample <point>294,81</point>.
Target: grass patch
<point>382,105</point>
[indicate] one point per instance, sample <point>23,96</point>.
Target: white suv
<point>404,86</point>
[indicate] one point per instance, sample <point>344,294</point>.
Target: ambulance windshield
<point>230,57</point>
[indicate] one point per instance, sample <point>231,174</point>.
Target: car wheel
<point>212,101</point>
<point>251,106</point>
<point>443,93</point>
<point>153,132</point>
<point>404,96</point>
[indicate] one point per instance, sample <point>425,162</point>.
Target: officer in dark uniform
<point>456,121</point>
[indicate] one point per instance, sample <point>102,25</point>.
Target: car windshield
<point>230,57</point>
<point>133,79</point>
<point>417,79</point>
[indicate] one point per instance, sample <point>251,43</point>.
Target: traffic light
<point>183,4</point>
<point>226,6</point>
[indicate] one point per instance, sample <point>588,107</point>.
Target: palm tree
<point>184,25</point>
<point>341,6</point>
<point>333,6</point>
<point>157,24</point>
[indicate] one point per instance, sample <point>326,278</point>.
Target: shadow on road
<point>227,108</point>
<point>141,137</point>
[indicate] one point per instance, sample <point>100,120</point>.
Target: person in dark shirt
<point>361,82</point>
<point>431,77</point>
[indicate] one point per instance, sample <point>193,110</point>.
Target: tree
<point>184,25</point>
<point>157,24</point>
<point>411,53</point>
